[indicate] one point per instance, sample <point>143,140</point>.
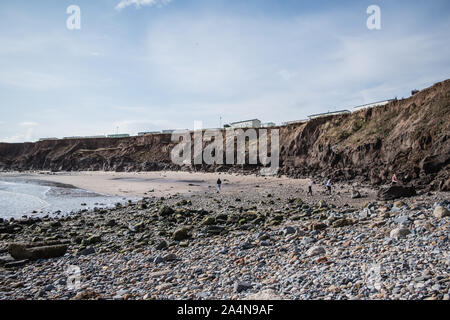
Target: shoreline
<point>169,183</point>
<point>21,193</point>
<point>247,243</point>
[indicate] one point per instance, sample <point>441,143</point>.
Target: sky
<point>148,65</point>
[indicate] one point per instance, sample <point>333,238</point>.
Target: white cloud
<point>286,69</point>
<point>286,75</point>
<point>213,65</point>
<point>33,80</point>
<point>134,126</point>
<point>138,3</point>
<point>28,124</point>
<point>27,136</point>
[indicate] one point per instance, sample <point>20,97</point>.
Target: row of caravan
<point>252,123</point>
<point>123,135</point>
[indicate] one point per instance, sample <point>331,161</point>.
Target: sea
<point>24,198</point>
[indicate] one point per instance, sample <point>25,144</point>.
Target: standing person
<point>310,183</point>
<point>329,186</point>
<point>394,179</point>
<point>219,185</point>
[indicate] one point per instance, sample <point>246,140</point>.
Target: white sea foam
<point>19,197</point>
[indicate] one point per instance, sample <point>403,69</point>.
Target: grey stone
<point>240,286</point>
<point>403,220</point>
<point>21,251</point>
<point>289,230</point>
<point>181,234</point>
<point>356,194</point>
<point>162,245</point>
<point>247,246</point>
<point>399,233</point>
<point>165,211</point>
<point>441,212</point>
<point>87,251</point>
<point>314,251</point>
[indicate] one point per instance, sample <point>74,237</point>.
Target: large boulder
<point>396,192</point>
<point>22,251</point>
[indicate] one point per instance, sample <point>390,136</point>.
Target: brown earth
<point>409,137</point>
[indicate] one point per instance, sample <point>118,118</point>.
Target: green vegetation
<point>344,135</point>
<point>358,125</point>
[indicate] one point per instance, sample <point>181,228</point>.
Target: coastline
<point>25,196</point>
<point>167,183</point>
<point>249,242</point>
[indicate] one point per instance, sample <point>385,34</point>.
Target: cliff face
<point>408,137</point>
<point>134,153</point>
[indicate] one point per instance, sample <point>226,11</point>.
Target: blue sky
<point>164,64</point>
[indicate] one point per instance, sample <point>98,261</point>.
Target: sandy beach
<point>167,183</point>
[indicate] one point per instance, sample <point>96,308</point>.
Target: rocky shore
<point>262,243</point>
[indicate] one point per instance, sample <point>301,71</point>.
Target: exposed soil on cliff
<point>409,137</point>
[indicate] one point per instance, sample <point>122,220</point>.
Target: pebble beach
<point>251,242</point>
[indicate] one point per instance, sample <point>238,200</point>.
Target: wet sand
<point>167,183</point>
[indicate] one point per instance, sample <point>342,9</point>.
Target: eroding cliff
<point>409,137</point>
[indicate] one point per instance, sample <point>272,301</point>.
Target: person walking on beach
<point>310,183</point>
<point>219,185</point>
<point>329,186</point>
